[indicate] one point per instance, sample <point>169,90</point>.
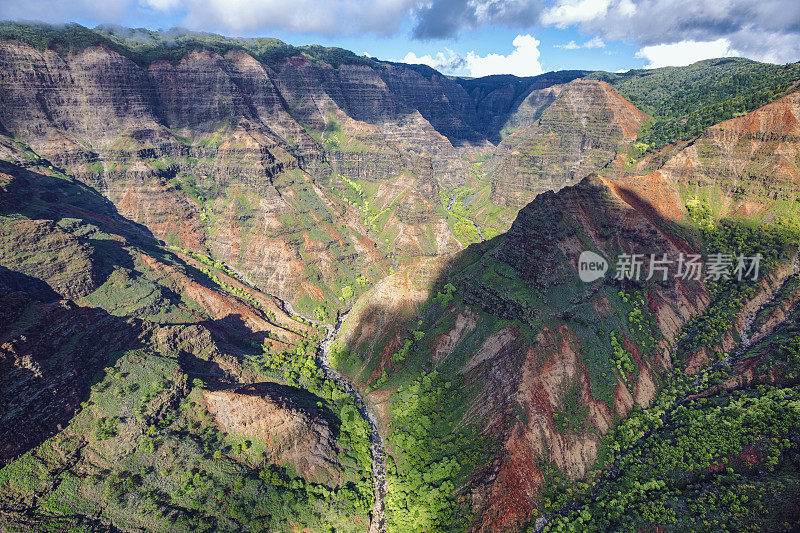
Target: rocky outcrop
<point>425,183</point>
<point>41,249</point>
<point>420,205</point>
<point>286,419</point>
<point>376,323</point>
<point>371,166</point>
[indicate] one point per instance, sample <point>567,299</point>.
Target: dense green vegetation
<point>775,241</point>
<point>727,460</point>
<point>146,46</point>
<point>683,101</point>
<point>432,458</point>
<point>432,450</point>
<point>149,465</point>
<point>430,439</point>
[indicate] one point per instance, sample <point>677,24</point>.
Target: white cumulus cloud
<point>327,17</point>
<point>626,8</point>
<point>161,5</point>
<point>440,61</point>
<point>594,42</point>
<point>523,61</point>
<point>685,52</point>
<point>569,12</point>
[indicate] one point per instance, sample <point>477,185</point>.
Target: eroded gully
<point>377,451</point>
<point>750,337</point>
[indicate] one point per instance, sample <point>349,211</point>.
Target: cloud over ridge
<point>767,30</point>
<point>522,61</point>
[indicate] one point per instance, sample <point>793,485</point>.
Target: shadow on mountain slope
<point>536,364</point>
<point>50,354</point>
<point>79,289</point>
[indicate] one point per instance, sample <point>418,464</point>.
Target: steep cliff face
<point>51,100</point>
<point>567,132</point>
<point>219,153</point>
<point>538,354</point>
<point>499,99</point>
<point>754,156</point>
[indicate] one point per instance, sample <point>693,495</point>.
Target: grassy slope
<point>142,452</point>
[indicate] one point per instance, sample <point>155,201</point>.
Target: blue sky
<point>554,54</point>
<point>473,37</point>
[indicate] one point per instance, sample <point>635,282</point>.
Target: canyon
<point>293,288</point>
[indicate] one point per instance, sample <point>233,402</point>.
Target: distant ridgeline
<point>684,101</point>
<point>145,46</point>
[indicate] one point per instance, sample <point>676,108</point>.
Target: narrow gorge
<point>250,286</point>
<point>377,450</point>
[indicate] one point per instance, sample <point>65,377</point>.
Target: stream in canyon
<point>378,523</point>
